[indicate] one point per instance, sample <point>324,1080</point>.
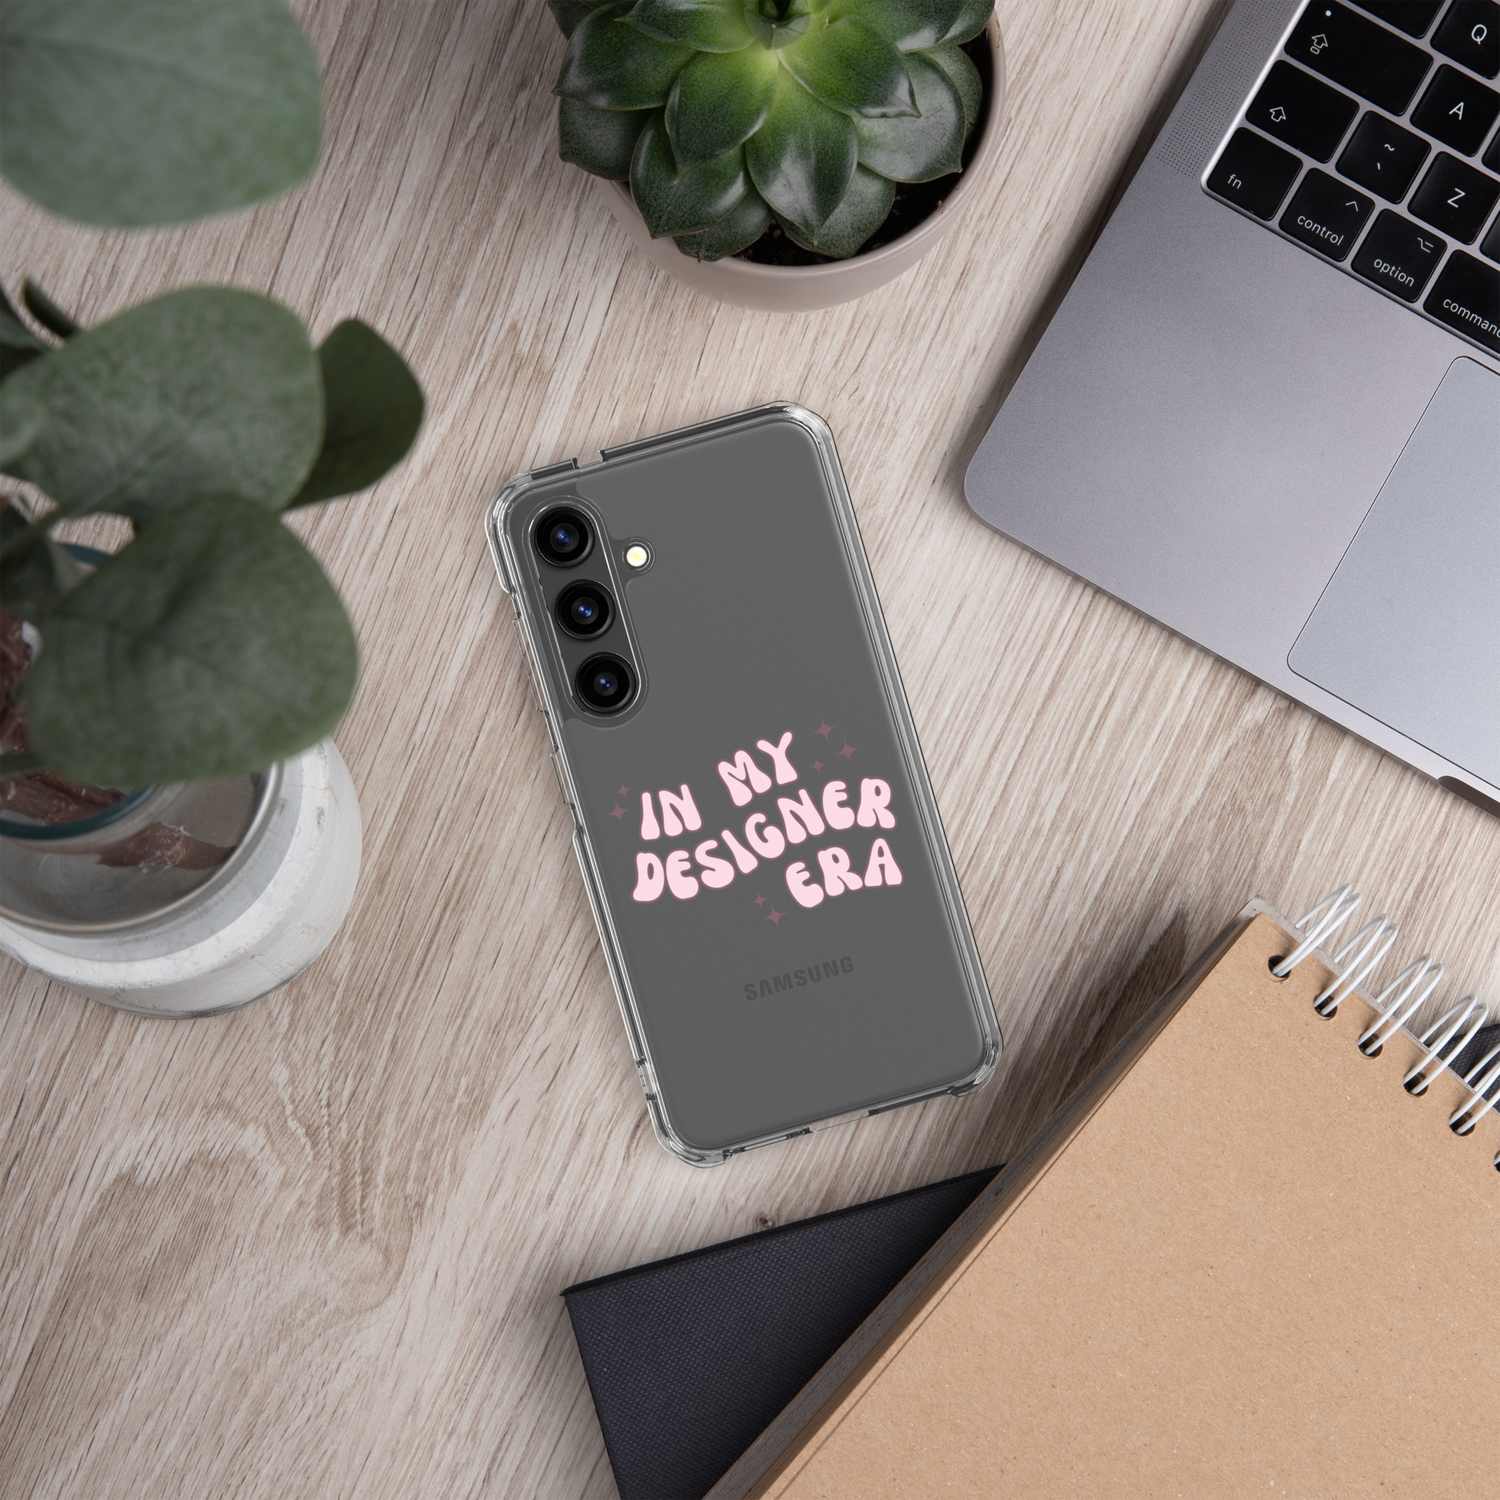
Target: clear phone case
<point>752,815</point>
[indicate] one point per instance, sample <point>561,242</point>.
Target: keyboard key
<point>1470,34</point>
<point>1467,299</point>
<point>1491,158</point>
<point>1355,52</point>
<point>1490,244</point>
<point>1454,198</point>
<point>1253,173</point>
<point>1297,109</point>
<point>1399,256</point>
<point>1411,16</point>
<point>1326,214</point>
<point>1383,157</point>
<point>1457,110</point>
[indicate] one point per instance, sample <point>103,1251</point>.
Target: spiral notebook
<point>1255,1253</point>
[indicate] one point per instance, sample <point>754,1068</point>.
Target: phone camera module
<point>583,609</point>
<point>564,538</point>
<point>606,683</point>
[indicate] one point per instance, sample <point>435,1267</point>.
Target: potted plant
<point>781,154</point>
<point>179,834</point>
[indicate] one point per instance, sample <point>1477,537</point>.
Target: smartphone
<point>752,816</point>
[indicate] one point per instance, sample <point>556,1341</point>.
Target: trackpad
<point>1408,629</point>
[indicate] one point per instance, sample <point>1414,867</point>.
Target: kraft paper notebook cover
<point>1242,1259</point>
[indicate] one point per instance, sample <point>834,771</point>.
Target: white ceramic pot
<point>808,288</point>
<point>269,912</point>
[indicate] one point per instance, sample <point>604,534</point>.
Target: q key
<point>1470,35</point>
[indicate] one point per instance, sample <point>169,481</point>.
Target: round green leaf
<point>972,19</point>
<point>910,24</point>
<point>861,213</point>
<point>210,646</point>
<point>719,100</point>
<point>673,202</point>
<point>964,76</point>
<point>614,65</point>
<point>22,418</point>
<point>921,149</point>
<point>851,67</point>
<point>601,141</point>
<point>741,226</point>
<point>802,158</point>
<point>372,409</point>
<point>707,25</point>
<point>156,111</point>
<point>207,390</point>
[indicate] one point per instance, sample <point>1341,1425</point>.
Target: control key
<point>1326,214</point>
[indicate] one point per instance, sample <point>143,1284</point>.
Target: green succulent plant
<point>725,114</point>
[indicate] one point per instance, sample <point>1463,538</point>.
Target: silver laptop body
<point>1242,437</point>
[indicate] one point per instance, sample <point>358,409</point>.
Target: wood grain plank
<point>314,1247</point>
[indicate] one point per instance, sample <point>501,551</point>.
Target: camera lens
<point>606,683</point>
<point>563,537</point>
<point>583,609</point>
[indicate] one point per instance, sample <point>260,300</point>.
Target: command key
<point>1467,299</point>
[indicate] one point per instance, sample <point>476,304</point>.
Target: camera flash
<point>637,556</point>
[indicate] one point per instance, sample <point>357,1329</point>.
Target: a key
<point>1383,157</point>
<point>1353,51</point>
<point>1457,109</point>
<point>1454,198</point>
<point>1467,298</point>
<point>1470,34</point>
<point>1399,255</point>
<point>1326,214</point>
<point>1253,173</point>
<point>1411,16</point>
<point>1295,108</point>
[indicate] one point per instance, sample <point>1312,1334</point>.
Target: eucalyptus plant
<point>211,643</point>
<point>725,114</point>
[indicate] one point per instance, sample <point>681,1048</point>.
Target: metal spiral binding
<point>1356,961</point>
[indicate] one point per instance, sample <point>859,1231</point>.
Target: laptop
<point>1267,412</point>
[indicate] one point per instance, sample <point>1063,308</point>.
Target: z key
<point>1454,198</point>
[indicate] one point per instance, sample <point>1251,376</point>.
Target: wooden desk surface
<point>314,1248</point>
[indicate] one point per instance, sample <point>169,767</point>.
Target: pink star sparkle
<point>776,916</point>
<point>817,765</point>
<point>824,728</point>
<point>759,899</point>
<point>848,751</point>
<point>619,813</point>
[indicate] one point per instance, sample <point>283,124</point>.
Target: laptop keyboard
<point>1372,141</point>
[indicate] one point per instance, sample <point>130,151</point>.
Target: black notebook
<point>688,1359</point>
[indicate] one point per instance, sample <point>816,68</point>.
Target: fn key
<point>1253,174</point>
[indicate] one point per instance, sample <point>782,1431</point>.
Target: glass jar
<point>134,861</point>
